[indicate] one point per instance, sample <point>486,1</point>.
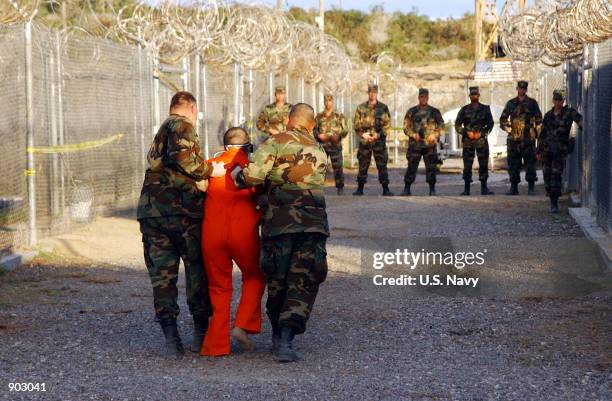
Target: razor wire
<point>553,31</point>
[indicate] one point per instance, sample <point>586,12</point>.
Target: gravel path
<point>540,329</point>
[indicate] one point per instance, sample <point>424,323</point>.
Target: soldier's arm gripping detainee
<point>294,227</point>
<point>170,211</point>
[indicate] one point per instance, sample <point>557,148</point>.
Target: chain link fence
<point>95,106</point>
<point>589,84</point>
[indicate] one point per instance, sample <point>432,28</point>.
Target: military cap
<point>423,92</point>
<point>474,90</point>
<point>372,88</point>
<point>522,84</point>
<point>328,96</point>
<point>558,94</point>
<point>279,89</point>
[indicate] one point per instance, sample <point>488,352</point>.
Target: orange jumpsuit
<point>231,232</point>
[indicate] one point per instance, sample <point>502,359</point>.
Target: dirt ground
<point>539,327</point>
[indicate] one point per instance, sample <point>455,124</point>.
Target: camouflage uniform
<point>524,118</point>
<point>273,117</point>
<point>333,125</point>
<point>553,146</point>
<point>170,211</point>
<point>423,121</point>
<point>376,119</point>
<point>479,119</point>
<point>294,225</point>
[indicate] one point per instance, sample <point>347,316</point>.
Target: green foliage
<point>412,37</point>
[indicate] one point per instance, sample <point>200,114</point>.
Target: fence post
<point>302,83</point>
<point>60,116</point>
<point>205,111</point>
<point>251,107</point>
<point>30,167</point>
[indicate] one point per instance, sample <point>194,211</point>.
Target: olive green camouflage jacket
<point>175,164</point>
<point>333,124</point>
<point>273,117</point>
<point>556,129</point>
<point>477,119</point>
<point>423,121</point>
<point>524,118</point>
<point>292,166</point>
<point>372,119</point>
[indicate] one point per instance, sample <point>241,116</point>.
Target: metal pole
<point>251,107</point>
<point>60,117</point>
<point>197,91</point>
<point>53,140</point>
<point>143,160</point>
<point>302,83</point>
<point>287,87</point>
<point>30,172</point>
<point>236,120</point>
<point>205,111</point>
<point>156,88</point>
<point>271,86</point>
<point>395,133</point>
<point>186,73</point>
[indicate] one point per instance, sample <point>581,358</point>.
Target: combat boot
<point>466,189</point>
<point>340,191</point>
<point>554,204</point>
<point>359,190</point>
<point>200,325</point>
<point>432,189</point>
<point>276,336</point>
<point>484,189</point>
<point>406,191</point>
<point>513,189</point>
<point>284,352</point>
<point>174,346</point>
<point>531,188</point>
<point>386,191</point>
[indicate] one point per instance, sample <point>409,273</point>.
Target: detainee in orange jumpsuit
<point>230,232</point>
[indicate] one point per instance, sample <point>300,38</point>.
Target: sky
<point>432,8</point>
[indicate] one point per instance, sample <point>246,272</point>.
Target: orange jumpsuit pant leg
<point>218,264</point>
<point>244,249</point>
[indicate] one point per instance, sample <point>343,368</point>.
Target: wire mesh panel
<point>13,190</point>
<point>602,132</point>
<point>219,105</point>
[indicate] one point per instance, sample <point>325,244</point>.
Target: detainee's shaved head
<point>302,115</point>
<point>235,136</point>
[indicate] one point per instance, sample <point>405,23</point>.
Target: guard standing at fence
<point>330,129</point>
<point>294,225</point>
<point>474,122</point>
<point>522,120</point>
<point>423,124</point>
<point>273,117</point>
<point>555,144</point>
<point>372,124</point>
<point>170,211</point>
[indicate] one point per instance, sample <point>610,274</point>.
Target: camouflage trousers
<point>520,154</point>
<point>415,151</point>
<point>293,265</point>
<point>381,157</point>
<point>335,155</point>
<point>478,148</point>
<point>553,165</point>
<point>166,240</point>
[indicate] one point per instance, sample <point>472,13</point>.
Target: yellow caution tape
<point>30,173</point>
<point>75,147</point>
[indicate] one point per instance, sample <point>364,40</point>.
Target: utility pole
<point>320,20</point>
<point>279,4</point>
<point>478,16</point>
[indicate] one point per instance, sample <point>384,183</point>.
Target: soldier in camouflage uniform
<point>423,124</point>
<point>555,144</point>
<point>294,225</point>
<point>521,119</point>
<point>272,118</point>
<point>170,212</point>
<point>372,124</point>
<point>474,122</point>
<point>330,129</point>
